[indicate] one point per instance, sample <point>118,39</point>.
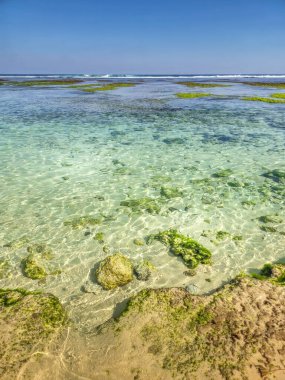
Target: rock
<point>190,272</point>
<point>144,269</point>
<point>114,271</point>
<point>32,269</point>
<point>192,288</point>
<point>138,242</point>
<point>90,287</point>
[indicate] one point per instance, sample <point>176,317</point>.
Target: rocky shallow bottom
<point>238,332</point>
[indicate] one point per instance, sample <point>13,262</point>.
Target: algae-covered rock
<point>27,320</point>
<point>275,273</point>
<point>99,236</point>
<point>82,221</point>
<point>5,269</point>
<point>32,269</point>
<point>170,192</point>
<point>147,204</point>
<point>144,270</point>
<point>114,271</point>
<point>192,252</point>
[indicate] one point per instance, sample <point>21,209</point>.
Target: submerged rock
<point>275,175</point>
<point>18,243</point>
<point>82,221</point>
<point>170,192</point>
<point>144,270</point>
<point>32,269</point>
<point>114,271</point>
<point>147,204</point>
<point>27,320</point>
<point>41,249</point>
<point>192,252</point>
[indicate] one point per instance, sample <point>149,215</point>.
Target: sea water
<point>66,154</point>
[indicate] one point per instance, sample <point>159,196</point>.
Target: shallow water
<point>66,154</point>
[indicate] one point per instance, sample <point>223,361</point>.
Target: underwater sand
<point>65,154</point>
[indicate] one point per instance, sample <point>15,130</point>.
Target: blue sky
<point>158,36</point>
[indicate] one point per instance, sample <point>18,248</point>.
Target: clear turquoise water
<point>66,154</point>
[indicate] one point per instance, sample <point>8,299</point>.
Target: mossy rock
<point>32,269</point>
<point>263,99</point>
<point>147,204</point>
<point>192,95</point>
<point>138,242</point>
<point>114,271</point>
<point>192,252</point>
<point>32,318</point>
<point>144,270</point>
<point>99,236</point>
<point>5,269</point>
<point>170,192</point>
<point>83,221</point>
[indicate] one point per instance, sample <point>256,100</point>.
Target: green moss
<point>275,175</point>
<point>18,243</point>
<point>278,95</point>
<point>41,249</point>
<point>82,222</point>
<point>262,99</point>
<point>114,271</point>
<point>32,269</point>
<point>147,204</point>
<point>192,252</point>
<point>269,219</point>
<point>223,173</point>
<point>192,95</point>
<point>99,236</point>
<point>202,85</point>
<point>170,192</point>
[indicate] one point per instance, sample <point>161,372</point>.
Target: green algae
<point>266,84</point>
<point>32,318</point>
<point>275,175</point>
<point>17,243</point>
<point>138,242</point>
<point>32,269</point>
<point>203,85</point>
<point>5,269</point>
<point>262,99</point>
<point>192,95</point>
<point>278,95</point>
<point>268,229</point>
<point>222,235</point>
<point>45,82</point>
<point>275,273</point>
<point>99,236</point>
<point>147,204</point>
<point>170,192</point>
<point>82,222</point>
<point>269,219</point>
<point>223,173</point>
<point>114,271</point>
<point>105,87</point>
<point>192,252</point>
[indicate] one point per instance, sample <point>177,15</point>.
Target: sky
<point>150,37</point>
